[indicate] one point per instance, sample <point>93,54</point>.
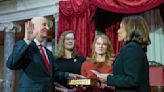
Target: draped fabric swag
<point>78,15</point>
<point>127,6</point>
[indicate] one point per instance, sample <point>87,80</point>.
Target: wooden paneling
<point>157,88</point>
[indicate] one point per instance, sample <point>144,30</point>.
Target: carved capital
<point>2,27</point>
<point>17,28</point>
<point>9,27</point>
<point>12,27</point>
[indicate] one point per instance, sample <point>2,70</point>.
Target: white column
<point>9,40</point>
<point>55,47</point>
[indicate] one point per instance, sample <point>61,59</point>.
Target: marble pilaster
<point>9,40</point>
<point>55,46</point>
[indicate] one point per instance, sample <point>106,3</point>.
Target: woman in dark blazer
<point>131,68</point>
<point>67,58</point>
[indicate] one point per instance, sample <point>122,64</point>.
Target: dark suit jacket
<point>33,74</point>
<point>131,70</point>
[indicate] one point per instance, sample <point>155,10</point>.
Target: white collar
<point>38,43</point>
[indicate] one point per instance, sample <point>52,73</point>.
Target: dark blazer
<point>71,65</point>
<point>131,70</point>
<point>33,74</point>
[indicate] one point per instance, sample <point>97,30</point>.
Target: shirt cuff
<point>27,41</point>
<point>66,75</point>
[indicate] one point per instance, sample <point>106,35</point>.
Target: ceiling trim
<point>29,13</point>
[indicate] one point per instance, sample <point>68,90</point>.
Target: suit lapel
<point>51,60</point>
<point>38,57</point>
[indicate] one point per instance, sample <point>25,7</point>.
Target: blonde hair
<point>61,51</point>
<point>109,53</point>
<point>137,30</point>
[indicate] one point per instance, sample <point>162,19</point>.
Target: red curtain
<point>122,7</point>
<point>127,6</point>
<point>109,22</point>
<point>111,32</point>
<point>77,16</point>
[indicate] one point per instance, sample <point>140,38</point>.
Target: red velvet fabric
<point>87,66</point>
<point>156,75</point>
<point>127,6</point>
<point>112,34</point>
<point>77,16</point>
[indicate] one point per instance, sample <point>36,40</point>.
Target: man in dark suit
<point>37,69</point>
